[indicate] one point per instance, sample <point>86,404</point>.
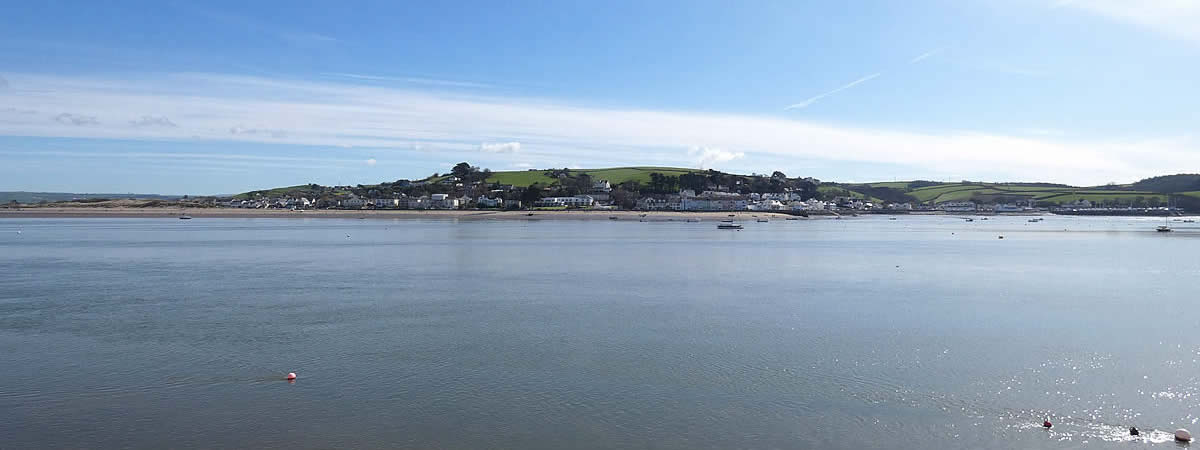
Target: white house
<point>578,201</point>
<point>485,202</point>
<point>958,207</point>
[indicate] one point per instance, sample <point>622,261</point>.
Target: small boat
<point>185,217</point>
<point>891,218</point>
<point>1189,221</point>
<point>729,226</point>
<point>1163,228</point>
<point>612,217</point>
<point>792,218</point>
<point>693,220</point>
<point>763,220</point>
<point>970,220</point>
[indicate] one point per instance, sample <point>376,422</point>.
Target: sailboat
<point>1164,228</point>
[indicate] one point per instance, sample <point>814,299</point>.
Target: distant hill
<point>1183,190</point>
<point>1183,182</point>
<point>38,197</point>
<point>615,175</point>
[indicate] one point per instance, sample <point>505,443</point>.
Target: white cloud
<point>1179,18</point>
<point>554,134</point>
<point>371,162</point>
<point>76,119</point>
<point>523,165</point>
<point>415,80</point>
<point>815,98</point>
<point>706,156</point>
<point>505,147</point>
<point>153,121</point>
<point>238,129</point>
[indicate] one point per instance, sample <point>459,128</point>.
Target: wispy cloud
<point>818,97</point>
<point>305,37</point>
<point>238,129</point>
<point>153,121</point>
<point>403,122</point>
<point>76,119</point>
<point>921,57</point>
<point>414,80</point>
<point>705,157</point>
<point>1178,18</point>
<point>297,37</point>
<point>505,147</point>
<point>371,162</point>
<point>1003,67</point>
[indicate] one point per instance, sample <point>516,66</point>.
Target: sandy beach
<point>50,212</point>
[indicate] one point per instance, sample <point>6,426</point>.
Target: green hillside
<point>615,175</point>
<point>931,192</point>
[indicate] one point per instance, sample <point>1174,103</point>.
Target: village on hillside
<point>469,187</point>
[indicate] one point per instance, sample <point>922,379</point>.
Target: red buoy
<point>292,376</point>
<point>1046,423</point>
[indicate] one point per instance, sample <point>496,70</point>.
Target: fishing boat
<point>729,226</point>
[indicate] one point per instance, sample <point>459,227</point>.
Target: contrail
<point>804,104</point>
<point>927,54</point>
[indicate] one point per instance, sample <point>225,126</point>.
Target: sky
<point>216,97</point>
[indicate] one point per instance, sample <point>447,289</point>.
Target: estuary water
<point>913,333</point>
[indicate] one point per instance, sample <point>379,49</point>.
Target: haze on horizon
<point>222,97</point>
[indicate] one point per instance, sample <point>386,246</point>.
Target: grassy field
<point>950,192</point>
<point>521,178</point>
<point>615,175</point>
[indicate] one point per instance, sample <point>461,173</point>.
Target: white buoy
<point>1183,435</point>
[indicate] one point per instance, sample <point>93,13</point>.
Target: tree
<point>461,170</point>
<point>777,175</point>
<point>532,194</point>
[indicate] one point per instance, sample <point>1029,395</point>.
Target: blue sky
<point>222,97</point>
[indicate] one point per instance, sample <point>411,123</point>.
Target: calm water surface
<point>921,332</point>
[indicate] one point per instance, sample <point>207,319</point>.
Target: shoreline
<point>126,212</point>
<point>388,214</point>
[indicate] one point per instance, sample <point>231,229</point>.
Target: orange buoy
<point>291,376</point>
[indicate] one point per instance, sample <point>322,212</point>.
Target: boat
<point>1189,220</point>
<point>1163,229</point>
<point>970,219</point>
<point>763,220</point>
<point>185,217</point>
<point>891,218</point>
<point>693,220</point>
<point>727,220</point>
<point>729,226</point>
<point>792,218</point>
<point>612,217</point>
